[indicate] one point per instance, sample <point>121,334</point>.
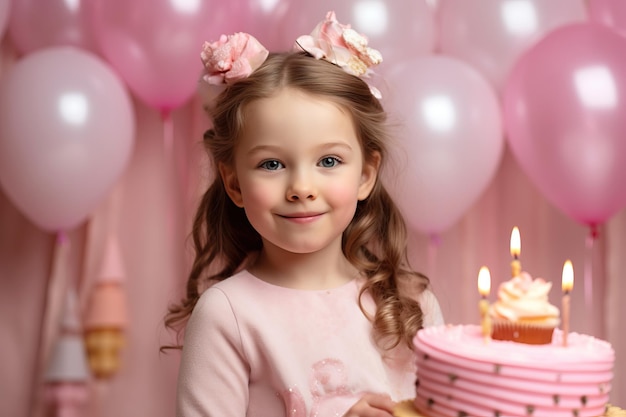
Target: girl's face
<point>299,171</point>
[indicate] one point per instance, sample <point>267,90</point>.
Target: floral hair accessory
<point>341,45</point>
<point>232,58</point>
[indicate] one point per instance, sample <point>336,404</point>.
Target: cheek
<point>343,192</point>
<point>258,194</point>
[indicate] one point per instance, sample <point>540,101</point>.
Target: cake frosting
<point>522,312</point>
<point>459,374</point>
<point>524,299</point>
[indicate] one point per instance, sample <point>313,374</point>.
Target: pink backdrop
<point>150,211</point>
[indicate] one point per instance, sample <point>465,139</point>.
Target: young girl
<point>311,305</point>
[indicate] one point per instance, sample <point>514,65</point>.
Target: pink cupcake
<point>523,313</point>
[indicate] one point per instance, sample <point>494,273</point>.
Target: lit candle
<point>516,250</point>
<point>484,287</point>
<point>567,284</point>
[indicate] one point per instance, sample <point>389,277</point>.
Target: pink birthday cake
<point>460,374</point>
<point>524,369</point>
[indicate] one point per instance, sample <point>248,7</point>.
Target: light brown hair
<point>375,240</point>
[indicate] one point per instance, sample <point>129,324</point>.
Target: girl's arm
<point>213,375</point>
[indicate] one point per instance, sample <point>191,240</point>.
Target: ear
<point>368,176</point>
<point>231,183</point>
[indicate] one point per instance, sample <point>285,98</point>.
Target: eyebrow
<point>323,146</point>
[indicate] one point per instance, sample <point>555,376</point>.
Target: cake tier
<point>407,409</point>
<point>459,374</point>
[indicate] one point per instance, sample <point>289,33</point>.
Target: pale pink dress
<point>259,350</point>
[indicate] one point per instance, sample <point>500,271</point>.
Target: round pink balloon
<point>399,29</point>
<point>451,143</point>
<point>564,110</point>
<point>609,12</point>
<point>66,135</point>
<point>155,44</point>
<point>37,24</point>
<point>491,34</point>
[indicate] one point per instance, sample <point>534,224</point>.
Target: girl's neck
<point>307,271</point>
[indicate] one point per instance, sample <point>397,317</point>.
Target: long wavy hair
<point>375,242</point>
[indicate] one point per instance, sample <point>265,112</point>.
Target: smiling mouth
<point>302,217</point>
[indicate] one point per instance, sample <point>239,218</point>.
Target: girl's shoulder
<point>229,298</point>
<point>238,279</point>
<point>226,288</point>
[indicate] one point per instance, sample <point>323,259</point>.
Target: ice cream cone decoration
<point>66,376</point>
<point>67,398</point>
<point>106,316</point>
<point>104,339</point>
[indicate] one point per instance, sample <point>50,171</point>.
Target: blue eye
<point>329,161</point>
<point>271,165</point>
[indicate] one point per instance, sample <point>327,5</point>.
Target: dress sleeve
<point>430,308</point>
<point>213,374</point>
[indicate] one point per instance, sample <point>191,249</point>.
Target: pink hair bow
<point>232,58</point>
<point>343,46</point>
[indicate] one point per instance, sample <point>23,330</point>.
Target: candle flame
<point>516,243</point>
<point>567,282</point>
<point>484,281</point>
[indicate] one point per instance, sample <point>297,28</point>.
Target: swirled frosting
<point>524,299</point>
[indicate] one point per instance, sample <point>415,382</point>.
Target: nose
<point>301,187</point>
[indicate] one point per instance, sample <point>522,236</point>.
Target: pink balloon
<point>564,110</point>
<point>155,44</point>
<point>399,29</point>
<point>66,135</point>
<point>4,15</point>
<point>452,140</point>
<point>609,12</point>
<point>36,24</point>
<point>491,34</point>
